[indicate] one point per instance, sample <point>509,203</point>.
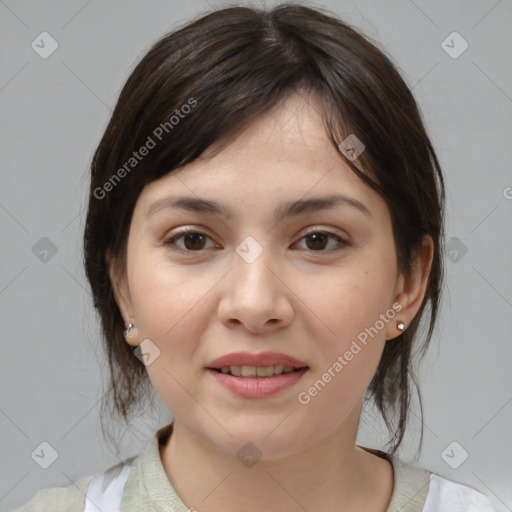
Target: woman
<point>263,236</point>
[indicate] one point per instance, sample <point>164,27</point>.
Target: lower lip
<point>257,387</point>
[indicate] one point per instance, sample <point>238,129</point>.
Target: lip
<point>261,359</point>
<point>257,387</point>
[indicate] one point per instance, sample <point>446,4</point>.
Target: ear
<point>410,290</point>
<point>122,295</point>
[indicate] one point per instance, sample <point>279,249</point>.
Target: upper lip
<point>261,359</point>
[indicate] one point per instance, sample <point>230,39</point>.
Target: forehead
<point>293,127</point>
<point>284,155</point>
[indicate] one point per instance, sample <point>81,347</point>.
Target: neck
<point>334,474</point>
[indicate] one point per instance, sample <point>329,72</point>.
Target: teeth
<point>249,371</point>
<point>265,371</point>
<point>256,371</point>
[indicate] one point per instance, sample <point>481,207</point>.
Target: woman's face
<point>317,285</point>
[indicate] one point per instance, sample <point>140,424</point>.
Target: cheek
<point>347,304</point>
<point>165,295</point>
<point>351,312</point>
<point>350,342</point>
<point>171,311</point>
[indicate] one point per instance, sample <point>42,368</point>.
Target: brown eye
<point>194,241</point>
<point>191,241</point>
<point>317,241</point>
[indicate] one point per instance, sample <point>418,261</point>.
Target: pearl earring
<point>400,325</point>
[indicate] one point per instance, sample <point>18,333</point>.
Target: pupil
<point>194,237</point>
<point>318,237</point>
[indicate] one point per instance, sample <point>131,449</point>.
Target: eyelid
<point>321,229</point>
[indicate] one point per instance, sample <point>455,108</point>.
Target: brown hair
<point>230,66</point>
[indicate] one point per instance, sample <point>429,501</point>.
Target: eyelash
<point>171,241</point>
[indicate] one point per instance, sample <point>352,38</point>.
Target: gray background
<point>53,112</point>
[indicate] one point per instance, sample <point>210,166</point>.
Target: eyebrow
<point>288,209</point>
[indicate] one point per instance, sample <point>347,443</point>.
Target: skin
<point>311,305</point>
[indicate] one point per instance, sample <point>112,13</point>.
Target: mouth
<point>261,372</point>
<point>256,375</point>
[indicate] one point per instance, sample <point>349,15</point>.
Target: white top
<point>447,496</point>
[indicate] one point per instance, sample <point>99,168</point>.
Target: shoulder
<point>123,484</point>
<point>91,493</point>
<point>56,499</point>
<point>448,496</point>
<point>420,490</point>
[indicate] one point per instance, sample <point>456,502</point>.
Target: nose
<point>255,295</point>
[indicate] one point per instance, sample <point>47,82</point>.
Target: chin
<point>257,447</point>
<point>269,439</point>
